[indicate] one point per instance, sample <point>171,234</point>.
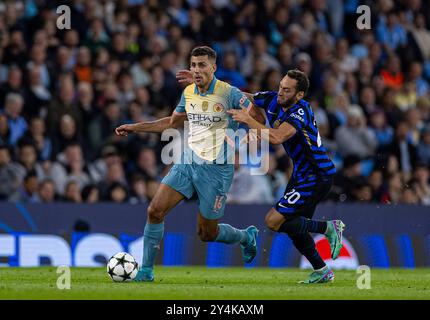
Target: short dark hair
<point>204,51</point>
<point>301,78</point>
<point>31,174</point>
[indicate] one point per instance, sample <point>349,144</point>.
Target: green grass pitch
<point>176,283</point>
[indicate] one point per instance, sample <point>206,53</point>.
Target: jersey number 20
<point>292,196</point>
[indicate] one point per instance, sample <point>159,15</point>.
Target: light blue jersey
<point>209,138</point>
<point>208,164</point>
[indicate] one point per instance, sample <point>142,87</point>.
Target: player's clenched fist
<point>124,130</point>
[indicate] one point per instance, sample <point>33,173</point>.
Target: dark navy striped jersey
<point>304,148</point>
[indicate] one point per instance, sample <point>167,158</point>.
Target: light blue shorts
<point>211,182</point>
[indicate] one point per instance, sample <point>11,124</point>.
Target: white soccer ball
<point>122,267</point>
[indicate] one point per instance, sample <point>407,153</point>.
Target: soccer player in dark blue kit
<point>292,124</point>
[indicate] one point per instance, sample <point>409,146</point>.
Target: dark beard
<point>289,103</point>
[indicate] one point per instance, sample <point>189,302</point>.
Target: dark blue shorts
<point>301,199</point>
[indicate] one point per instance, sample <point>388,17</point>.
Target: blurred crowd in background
<point>63,92</point>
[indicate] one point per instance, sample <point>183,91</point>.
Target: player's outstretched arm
<point>174,121</point>
<point>156,126</point>
<point>177,119</point>
<point>275,136</point>
<point>256,112</point>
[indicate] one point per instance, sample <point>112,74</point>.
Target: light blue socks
<point>230,235</point>
<point>152,236</point>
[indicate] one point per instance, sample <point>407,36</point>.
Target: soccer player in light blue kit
<point>205,104</point>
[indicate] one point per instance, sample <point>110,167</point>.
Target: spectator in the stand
<point>28,192</point>
<point>304,63</point>
<point>146,164</point>
<point>414,120</point>
<point>109,155</point>
<point>347,62</point>
<point>83,70</point>
<point>416,77</point>
<point>394,189</point>
<point>423,105</point>
<point>351,87</point>
<point>328,91</point>
<point>14,84</point>
<point>376,182</point>
<point>168,64</point>
<point>362,192</point>
<point>338,111</point>
<point>115,174</point>
<point>75,166</point>
<point>285,56</point>
<point>118,193</point>
<point>406,97</point>
<point>126,93</point>
<point>382,131</point>
<point>421,37</point>
<point>90,194</point>
<point>346,179</point>
<point>37,137</point>
<point>37,96</point>
<point>96,37</point>
<point>404,150</point>
<point>320,12</point>
<point>4,130</point>
<point>10,179</point>
<point>138,193</point>
<point>46,193</point>
<point>62,105</point>
<point>38,59</point>
<point>322,58</point>
<point>355,138</point>
<point>392,74</point>
<point>86,108</point>
<point>72,192</point>
<point>423,149</point>
<point>390,32</point>
<point>63,61</point>
<point>368,100</point>
<point>71,41</point>
<point>272,79</point>
<point>102,128</point>
<point>27,158</point>
<point>228,71</point>
<point>409,196</point>
<point>140,70</point>
<point>365,72</point>
<point>66,135</point>
<point>15,51</point>
<point>143,98</point>
<point>159,91</point>
<point>260,50</point>
<point>16,122</point>
<point>393,113</point>
<point>119,49</point>
<point>421,184</point>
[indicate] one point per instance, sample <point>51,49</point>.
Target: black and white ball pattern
<point>122,267</point>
